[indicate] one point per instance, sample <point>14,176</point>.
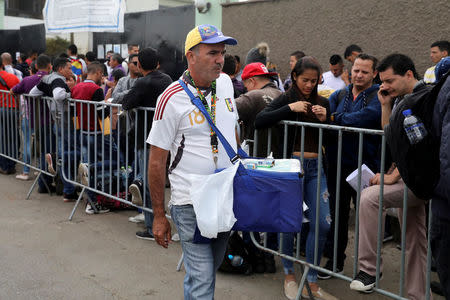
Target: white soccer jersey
<point>178,126</point>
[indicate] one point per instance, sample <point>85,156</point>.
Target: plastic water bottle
<point>236,260</point>
<point>415,130</point>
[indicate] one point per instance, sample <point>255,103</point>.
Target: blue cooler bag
<point>264,201</point>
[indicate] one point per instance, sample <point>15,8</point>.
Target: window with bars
<point>24,8</point>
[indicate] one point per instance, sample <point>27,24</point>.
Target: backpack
<point>236,246</point>
<point>418,164</point>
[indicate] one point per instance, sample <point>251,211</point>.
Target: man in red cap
<point>261,91</point>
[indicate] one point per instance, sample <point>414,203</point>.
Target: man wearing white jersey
<point>179,127</point>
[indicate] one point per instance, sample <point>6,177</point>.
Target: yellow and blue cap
<point>206,34</point>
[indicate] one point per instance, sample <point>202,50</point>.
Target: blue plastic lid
<point>407,112</point>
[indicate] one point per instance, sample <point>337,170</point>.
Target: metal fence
<point>100,138</point>
<point>26,125</point>
<point>361,133</point>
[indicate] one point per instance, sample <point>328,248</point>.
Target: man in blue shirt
<point>355,106</point>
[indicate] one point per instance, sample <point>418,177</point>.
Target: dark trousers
<point>440,245</point>
<point>346,194</point>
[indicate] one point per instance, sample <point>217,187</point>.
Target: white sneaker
<point>176,237</point>
<point>137,219</point>
<point>24,177</point>
<point>290,289</point>
<point>83,173</point>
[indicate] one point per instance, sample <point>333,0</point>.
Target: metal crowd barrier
<point>104,144</point>
<point>307,266</point>
<point>26,130</point>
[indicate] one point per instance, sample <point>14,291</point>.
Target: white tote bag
<point>212,198</point>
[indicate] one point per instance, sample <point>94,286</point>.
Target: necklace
<point>211,110</point>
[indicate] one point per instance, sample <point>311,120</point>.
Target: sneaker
<point>329,266</point>
<point>83,174</point>
<point>137,219</point>
<point>145,235</point>
<point>269,262</point>
<point>136,192</point>
<point>23,176</point>
<point>70,197</point>
<point>100,209</point>
<point>176,237</point>
<point>363,282</point>
<point>43,190</point>
<point>290,289</point>
<point>258,262</point>
<point>51,165</point>
<point>320,294</point>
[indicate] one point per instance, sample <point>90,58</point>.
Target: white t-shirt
<point>336,83</point>
<point>178,126</point>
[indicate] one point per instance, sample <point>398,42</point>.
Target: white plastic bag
<point>212,198</point>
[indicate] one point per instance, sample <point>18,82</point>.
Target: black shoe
<point>258,262</point>
<point>43,190</point>
<point>70,197</point>
<point>436,288</point>
<point>145,235</point>
<point>363,282</point>
<point>329,266</point>
<point>269,263</point>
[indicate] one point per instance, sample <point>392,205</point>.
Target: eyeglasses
<point>135,63</point>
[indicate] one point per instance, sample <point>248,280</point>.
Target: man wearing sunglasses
<point>126,83</point>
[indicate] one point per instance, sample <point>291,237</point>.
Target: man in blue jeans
<point>179,127</point>
<point>144,93</point>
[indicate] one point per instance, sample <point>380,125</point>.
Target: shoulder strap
<point>196,101</point>
<point>3,82</point>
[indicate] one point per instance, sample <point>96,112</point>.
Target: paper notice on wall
<point>108,47</point>
<point>116,49</point>
<point>84,15</point>
<point>124,50</point>
<point>100,52</point>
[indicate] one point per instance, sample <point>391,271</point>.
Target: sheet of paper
<point>100,52</point>
<point>366,175</point>
<point>108,47</point>
<point>124,51</point>
<point>116,49</point>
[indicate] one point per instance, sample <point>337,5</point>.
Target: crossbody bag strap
<point>196,101</point>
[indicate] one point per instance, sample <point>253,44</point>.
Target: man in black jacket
<point>144,93</point>
<point>440,222</point>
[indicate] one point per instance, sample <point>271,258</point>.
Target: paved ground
<point>44,256</point>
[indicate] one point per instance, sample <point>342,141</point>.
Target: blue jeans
<point>310,191</point>
<point>142,161</point>
<point>10,141</point>
<point>26,132</point>
<point>201,261</point>
<point>47,144</point>
<point>71,153</point>
<point>95,152</point>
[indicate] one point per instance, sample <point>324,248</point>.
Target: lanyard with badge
<point>211,111</point>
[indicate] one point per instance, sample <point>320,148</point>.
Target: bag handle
<point>196,101</point>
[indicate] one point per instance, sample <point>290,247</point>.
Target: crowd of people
<point>176,141</point>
